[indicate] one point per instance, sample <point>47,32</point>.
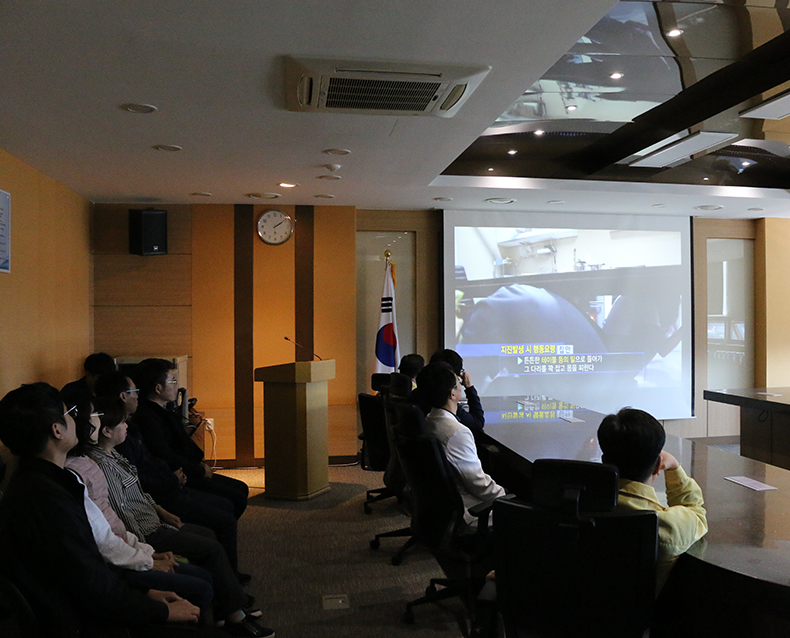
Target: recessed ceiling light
<point>337,151</point>
<point>756,210</point>
<point>616,75</point>
<point>705,179</point>
<point>659,205</point>
<point>287,185</point>
<point>200,194</point>
<point>708,207</point>
<point>571,107</point>
<point>270,195</point>
<point>442,199</point>
<point>512,151</point>
<point>539,132</point>
<point>254,195</point>
<point>746,163</point>
<point>500,200</point>
<point>170,148</point>
<point>674,33</point>
<point>142,109</point>
<point>324,196</point>
<point>332,167</point>
<point>330,177</point>
<point>490,169</point>
<point>556,201</point>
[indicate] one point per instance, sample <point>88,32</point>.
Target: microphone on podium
<point>303,348</point>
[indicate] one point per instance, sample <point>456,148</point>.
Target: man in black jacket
<point>165,437</point>
<point>46,544</point>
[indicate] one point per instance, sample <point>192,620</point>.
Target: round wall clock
<point>275,227</point>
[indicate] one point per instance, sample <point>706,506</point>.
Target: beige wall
<point>45,301</point>
<point>772,303</point>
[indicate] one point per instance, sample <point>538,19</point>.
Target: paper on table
<point>750,483</point>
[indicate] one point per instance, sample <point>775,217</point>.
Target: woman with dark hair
<point>117,546</point>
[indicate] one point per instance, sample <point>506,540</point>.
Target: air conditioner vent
<point>380,95</point>
<point>379,88</point>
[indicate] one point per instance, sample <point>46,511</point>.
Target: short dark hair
<point>435,382</point>
<point>450,357</point>
<point>26,418</point>
<point>112,384</point>
<point>632,440</point>
<point>99,363</point>
<point>411,364</point>
<point>150,373</point>
<point>112,411</point>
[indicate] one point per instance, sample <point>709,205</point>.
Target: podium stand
<point>295,428</point>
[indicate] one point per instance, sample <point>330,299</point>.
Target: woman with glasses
<point>117,546</point>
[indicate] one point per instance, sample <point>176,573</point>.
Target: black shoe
<point>244,579</point>
<point>248,628</point>
<point>250,601</point>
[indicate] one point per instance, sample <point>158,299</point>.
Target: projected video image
<point>585,315</point>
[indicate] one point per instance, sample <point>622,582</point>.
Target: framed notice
<point>5,232</point>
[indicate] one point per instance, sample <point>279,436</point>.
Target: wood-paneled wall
<point>183,303</point>
<point>142,305</point>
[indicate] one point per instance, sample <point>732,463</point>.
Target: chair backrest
<point>379,381</point>
<point>375,443</point>
<point>574,486</point>
<point>437,509</point>
<point>564,573</point>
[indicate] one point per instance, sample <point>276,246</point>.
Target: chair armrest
<point>482,511</point>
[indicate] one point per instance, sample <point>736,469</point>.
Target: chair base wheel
<point>408,617</point>
<point>375,544</point>
<point>430,590</point>
<point>366,508</point>
<point>396,560</point>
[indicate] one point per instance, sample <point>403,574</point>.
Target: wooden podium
<point>295,428</point>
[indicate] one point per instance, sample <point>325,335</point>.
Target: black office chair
<point>17,619</point>
<point>437,521</point>
<point>568,564</point>
<point>397,391</point>
<point>375,453</point>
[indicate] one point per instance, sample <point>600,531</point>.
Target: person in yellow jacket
<point>633,440</point>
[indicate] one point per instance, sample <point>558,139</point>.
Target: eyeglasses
<point>132,390</point>
<point>93,414</point>
<point>73,409</point>
<point>172,381</point>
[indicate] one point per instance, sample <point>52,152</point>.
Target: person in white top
<point>446,390</point>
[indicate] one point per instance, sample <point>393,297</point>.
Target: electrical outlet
<point>209,423</point>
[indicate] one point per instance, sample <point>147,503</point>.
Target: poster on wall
<point>5,232</point>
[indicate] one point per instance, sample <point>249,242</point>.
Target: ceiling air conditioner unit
<point>379,88</point>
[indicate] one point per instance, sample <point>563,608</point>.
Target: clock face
<point>275,227</point>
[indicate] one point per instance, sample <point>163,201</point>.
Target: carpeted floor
<point>299,552</point>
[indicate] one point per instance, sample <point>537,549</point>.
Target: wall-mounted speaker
<point>148,232</point>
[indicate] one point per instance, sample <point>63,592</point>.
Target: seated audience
<point>169,488</point>
<point>47,548</point>
<point>95,365</point>
<point>473,416</point>
<point>633,440</point>
<point>166,438</point>
<point>410,365</point>
<point>117,546</point>
<point>165,532</point>
<point>457,440</point>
